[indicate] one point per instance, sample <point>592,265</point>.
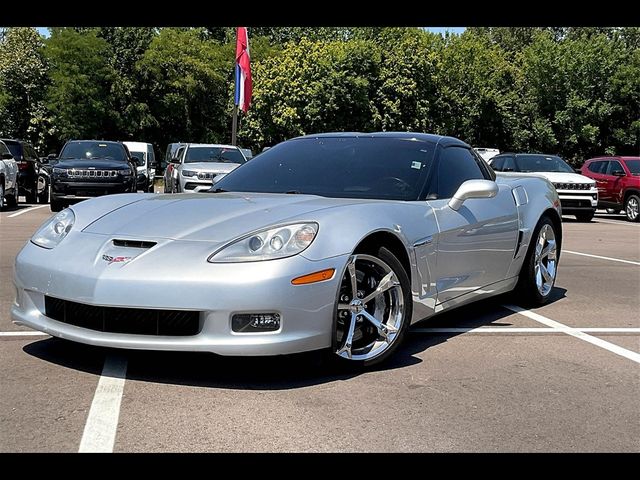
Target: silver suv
<point>197,166</point>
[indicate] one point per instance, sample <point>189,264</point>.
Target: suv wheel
<point>632,207</point>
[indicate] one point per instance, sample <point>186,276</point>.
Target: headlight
<point>60,171</point>
<point>55,229</point>
<point>189,173</point>
<point>125,173</point>
<point>277,242</point>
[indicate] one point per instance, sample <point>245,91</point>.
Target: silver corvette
<point>333,241</point>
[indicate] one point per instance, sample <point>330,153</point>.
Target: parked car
<point>8,177</point>
<point>578,194</point>
<point>618,181</point>
<point>90,168</point>
<point>29,182</point>
<point>487,153</point>
<point>331,241</point>
<point>146,171</point>
<point>198,165</point>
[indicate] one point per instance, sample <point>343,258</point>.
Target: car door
<point>596,171</point>
<point>475,244</point>
<point>11,168</point>
<point>614,183</point>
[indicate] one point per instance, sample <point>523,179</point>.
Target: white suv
<point>578,194</point>
<point>147,170</point>
<point>8,177</point>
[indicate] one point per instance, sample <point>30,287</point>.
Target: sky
<point>441,30</point>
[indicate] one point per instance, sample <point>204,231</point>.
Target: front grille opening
<point>133,243</point>
<point>138,321</point>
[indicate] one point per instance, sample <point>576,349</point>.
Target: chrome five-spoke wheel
<point>545,260</point>
<point>371,310</point>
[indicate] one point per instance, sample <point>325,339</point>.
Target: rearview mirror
<point>618,173</point>
<point>473,189</point>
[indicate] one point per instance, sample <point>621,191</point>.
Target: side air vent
<point>133,243</point>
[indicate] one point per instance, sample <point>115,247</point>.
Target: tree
<point>81,81</point>
<point>23,80</point>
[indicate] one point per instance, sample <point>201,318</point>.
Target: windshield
<point>93,150</point>
<point>140,155</point>
<point>344,167</point>
<point>542,163</point>
<point>214,155</point>
<point>633,166</point>
<point>14,148</point>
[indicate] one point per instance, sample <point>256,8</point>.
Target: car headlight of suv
<point>59,171</point>
<point>277,242</point>
<point>53,231</point>
<point>189,173</point>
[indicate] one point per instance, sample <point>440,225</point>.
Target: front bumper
<point>70,190</point>
<point>194,185</point>
<point>162,280</point>
<point>578,202</point>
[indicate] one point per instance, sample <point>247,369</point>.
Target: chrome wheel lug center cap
<point>356,306</point>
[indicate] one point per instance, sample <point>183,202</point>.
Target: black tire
<point>390,259</point>
<point>631,200</point>
<point>1,194</point>
<point>585,216</point>
<point>526,290</point>
<point>44,196</point>
<point>12,200</point>
<point>30,197</point>
<point>56,205</point>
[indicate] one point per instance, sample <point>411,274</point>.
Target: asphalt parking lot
<point>484,378</point>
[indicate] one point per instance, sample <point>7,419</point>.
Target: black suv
<point>30,183</point>
<point>90,168</point>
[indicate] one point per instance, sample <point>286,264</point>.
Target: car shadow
<point>275,372</point>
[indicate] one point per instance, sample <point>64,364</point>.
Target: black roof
<point>14,141</point>
<point>428,137</point>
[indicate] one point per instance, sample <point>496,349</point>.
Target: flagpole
<point>234,125</point>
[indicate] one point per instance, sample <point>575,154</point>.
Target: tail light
<point>22,165</point>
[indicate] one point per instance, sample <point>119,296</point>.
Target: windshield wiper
<point>293,192</point>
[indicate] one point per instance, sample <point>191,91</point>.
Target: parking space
<point>481,378</point>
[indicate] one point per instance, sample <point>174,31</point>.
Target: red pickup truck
<point>618,182</point>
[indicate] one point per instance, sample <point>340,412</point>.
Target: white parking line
<point>22,334</point>
<point>503,330</point>
<point>601,257</point>
<point>624,223</point>
<point>30,209</point>
<point>574,332</point>
<point>102,422</point>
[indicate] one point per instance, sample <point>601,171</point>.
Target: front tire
<point>538,273</point>
<point>585,216</point>
<point>632,208</point>
<point>12,201</point>
<point>373,309</point>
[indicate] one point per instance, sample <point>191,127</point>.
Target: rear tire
<point>381,321</point>
<point>538,273</point>
<point>632,208</point>
<point>585,216</point>
<point>1,196</point>
<point>30,197</point>
<point>12,200</point>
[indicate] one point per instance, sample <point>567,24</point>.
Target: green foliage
<point>23,80</point>
<point>574,91</point>
<point>78,98</point>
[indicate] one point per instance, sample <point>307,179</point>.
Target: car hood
<point>210,167</point>
<point>562,177</point>
<point>102,164</point>
<point>211,217</point>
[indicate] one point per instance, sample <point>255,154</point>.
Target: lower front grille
<point>138,321</point>
<point>570,203</point>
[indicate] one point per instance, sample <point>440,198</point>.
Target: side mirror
<point>473,189</point>
<point>52,156</point>
<point>44,161</point>
<point>137,160</point>
<point>7,156</point>
<point>618,173</point>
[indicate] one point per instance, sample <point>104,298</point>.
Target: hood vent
<point>133,244</point>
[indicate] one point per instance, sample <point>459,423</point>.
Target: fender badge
<point>110,259</point>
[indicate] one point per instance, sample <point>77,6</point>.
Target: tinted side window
<point>594,167</point>
<point>3,149</point>
<point>509,165</point>
<point>455,166</point>
<point>497,164</point>
<point>150,155</point>
<point>613,166</point>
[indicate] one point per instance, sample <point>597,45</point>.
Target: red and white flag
<point>243,70</point>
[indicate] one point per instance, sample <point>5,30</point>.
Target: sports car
<point>335,241</point>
